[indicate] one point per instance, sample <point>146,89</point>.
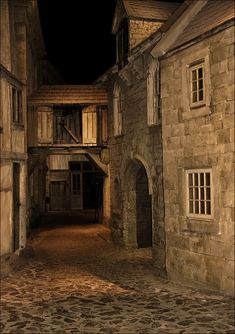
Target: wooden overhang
<point>211,16</point>
<point>67,94</point>
<point>144,10</point>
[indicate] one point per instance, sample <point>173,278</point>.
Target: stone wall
<point>139,146</point>
<point>139,30</point>
<point>200,250</point>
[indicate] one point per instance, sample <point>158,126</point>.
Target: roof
<point>67,94</point>
<point>149,9</point>
<point>212,15</point>
<point>142,9</point>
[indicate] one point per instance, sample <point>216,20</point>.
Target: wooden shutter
<point>45,125</point>
<point>89,125</point>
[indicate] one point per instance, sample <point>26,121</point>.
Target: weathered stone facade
<point>200,250</point>
<point>139,30</point>
<point>198,247</point>
<point>136,149</point>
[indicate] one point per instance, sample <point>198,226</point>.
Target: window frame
<point>117,111</point>
<point>195,67</point>
<point>17,105</point>
<point>153,95</point>
<point>199,215</point>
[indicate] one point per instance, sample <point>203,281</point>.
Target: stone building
<point>197,98</point>
<point>21,48</point>
<point>169,131</point>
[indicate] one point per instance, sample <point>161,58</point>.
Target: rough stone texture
<point>80,282</point>
<point>200,251</point>
<point>139,30</point>
<point>139,146</point>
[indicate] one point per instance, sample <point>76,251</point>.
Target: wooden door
<point>89,126</point>
<point>16,206</point>
<point>58,195</point>
<point>76,190</point>
<point>143,211</point>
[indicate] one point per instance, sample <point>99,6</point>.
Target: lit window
<point>117,110</point>
<point>199,193</point>
<point>17,105</point>
<point>197,84</point>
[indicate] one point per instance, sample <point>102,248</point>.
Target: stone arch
<point>137,204</point>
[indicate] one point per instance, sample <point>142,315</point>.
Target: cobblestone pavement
<point>79,282</point>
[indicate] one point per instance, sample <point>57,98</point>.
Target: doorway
<point>143,210</point>
<point>137,206</point>
<point>16,206</point>
<point>58,195</point>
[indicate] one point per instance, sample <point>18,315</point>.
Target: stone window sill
<point>200,225</point>
<point>195,112</point>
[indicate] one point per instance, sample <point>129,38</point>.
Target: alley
<point>78,281</point>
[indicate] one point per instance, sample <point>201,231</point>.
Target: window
<point>17,114</point>
<point>122,44</point>
<point>117,110</point>
<point>197,73</point>
<point>153,94</point>
<point>199,193</point>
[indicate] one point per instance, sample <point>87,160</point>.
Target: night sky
<point>77,36</point>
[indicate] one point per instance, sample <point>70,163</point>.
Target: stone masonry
<point>200,251</point>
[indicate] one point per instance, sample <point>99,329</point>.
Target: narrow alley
<point>78,281</point>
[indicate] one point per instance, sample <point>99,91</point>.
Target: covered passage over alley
<point>68,153</point>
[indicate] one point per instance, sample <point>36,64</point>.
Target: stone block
<point>177,130</point>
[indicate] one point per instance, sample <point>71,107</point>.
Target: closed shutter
<point>89,125</point>
<point>45,126</point>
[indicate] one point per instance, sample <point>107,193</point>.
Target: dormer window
<point>122,41</point>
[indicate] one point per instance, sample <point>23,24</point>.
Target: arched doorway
<point>137,206</point>
<point>143,210</point>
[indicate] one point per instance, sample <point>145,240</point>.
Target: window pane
<point>196,179</point>
<point>190,206</point>
<point>196,193</point>
<point>196,207</point>
<point>208,208</point>
<point>208,193</point>
<point>194,86</point>
<point>202,207</point>
<point>202,179</point>
<point>208,179</point>
<point>202,193</point>
<point>201,95</point>
<point>190,180</point>
<point>200,84</point>
<point>194,75</point>
<point>200,72</point>
<point>190,193</point>
<point>195,97</point>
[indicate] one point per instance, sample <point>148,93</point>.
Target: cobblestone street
<point>79,282</point>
